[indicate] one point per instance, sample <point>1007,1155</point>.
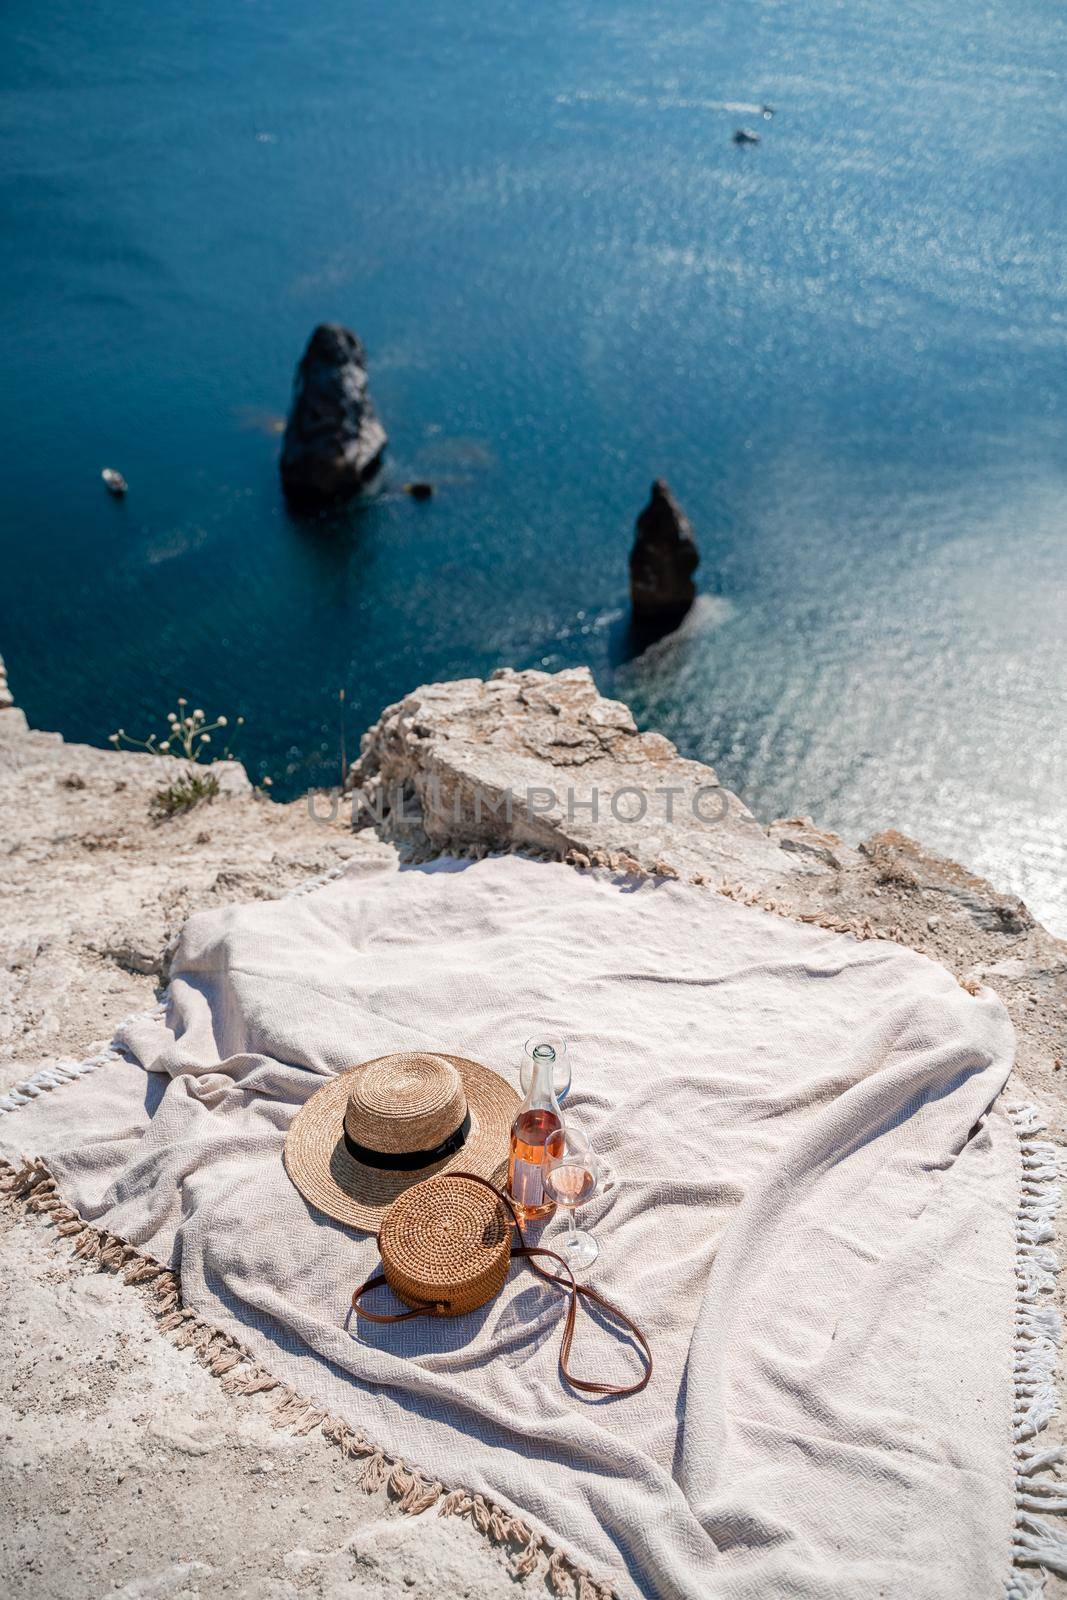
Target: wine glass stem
<point>573,1229</point>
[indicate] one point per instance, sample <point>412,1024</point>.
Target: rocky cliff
<point>106,1422</point>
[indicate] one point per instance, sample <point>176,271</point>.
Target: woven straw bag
<point>446,1248</point>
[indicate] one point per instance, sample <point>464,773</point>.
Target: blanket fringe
<point>58,1073</point>
<point>32,1188</point>
<point>1036,1542</point>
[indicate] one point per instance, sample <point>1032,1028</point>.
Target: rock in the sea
<point>334,441</point>
<point>662,561</point>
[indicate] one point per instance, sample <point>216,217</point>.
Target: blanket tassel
<point>1036,1541</point>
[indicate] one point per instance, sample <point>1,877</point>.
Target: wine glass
<point>571,1175</point>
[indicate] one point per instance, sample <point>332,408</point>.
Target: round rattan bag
<point>445,1245</point>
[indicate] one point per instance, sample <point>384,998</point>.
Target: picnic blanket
<point>815,1219</point>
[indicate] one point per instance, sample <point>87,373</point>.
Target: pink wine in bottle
<point>539,1116</point>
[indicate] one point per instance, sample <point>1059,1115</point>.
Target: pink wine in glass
<point>569,1185</point>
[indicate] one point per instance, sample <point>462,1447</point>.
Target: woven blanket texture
<point>813,1218</point>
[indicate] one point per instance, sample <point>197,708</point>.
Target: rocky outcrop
<point>662,562</point>
<point>334,441</point>
<point>542,761</point>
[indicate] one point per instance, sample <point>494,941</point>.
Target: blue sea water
<point>844,348</point>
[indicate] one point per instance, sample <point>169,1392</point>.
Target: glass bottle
<point>539,1115</point>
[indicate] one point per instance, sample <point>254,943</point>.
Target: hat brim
<point>319,1164</point>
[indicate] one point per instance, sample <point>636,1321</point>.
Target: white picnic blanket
<point>813,1217</point>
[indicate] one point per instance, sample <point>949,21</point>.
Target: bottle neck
<point>542,1091</point>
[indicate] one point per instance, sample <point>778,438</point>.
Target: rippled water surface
<point>844,348</point>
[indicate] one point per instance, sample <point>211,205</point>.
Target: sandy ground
<point>124,1468</point>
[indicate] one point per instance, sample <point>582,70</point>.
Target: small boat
<point>115,482</point>
<point>745,136</point>
<point>768,112</point>
<point>419,490</point>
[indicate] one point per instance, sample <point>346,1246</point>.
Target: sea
<point>843,346</point>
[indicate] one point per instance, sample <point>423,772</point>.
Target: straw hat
<point>374,1130</point>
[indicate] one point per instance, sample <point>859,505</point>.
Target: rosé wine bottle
<point>539,1115</point>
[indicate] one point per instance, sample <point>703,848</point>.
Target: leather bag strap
<point>571,1288</point>
<point>388,1316</point>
